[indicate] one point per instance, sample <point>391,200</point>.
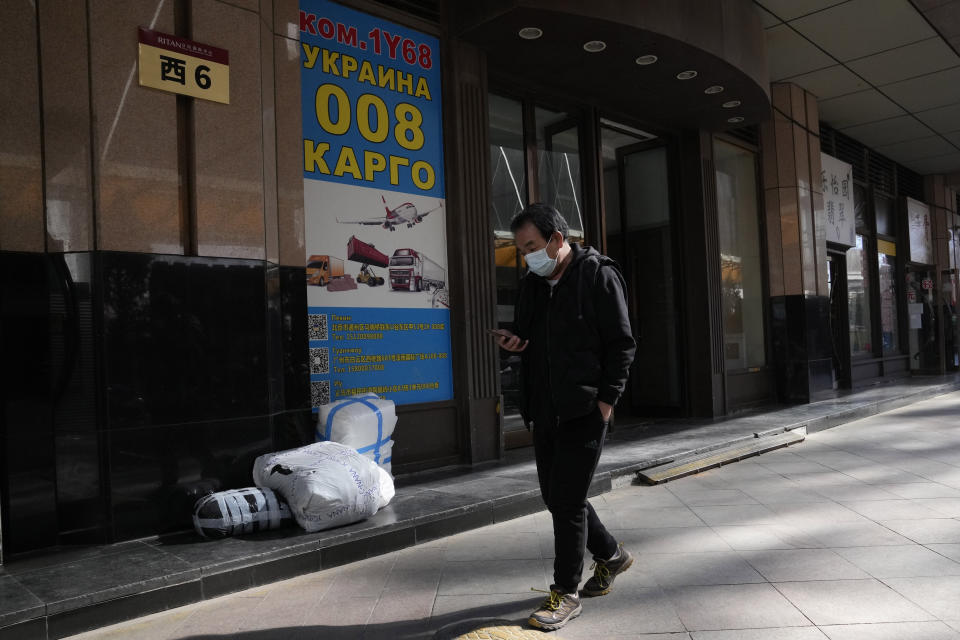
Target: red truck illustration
<point>411,270</point>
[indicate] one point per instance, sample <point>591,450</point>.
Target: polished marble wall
<point>796,245</point>
<point>141,379</point>
<point>152,301</point>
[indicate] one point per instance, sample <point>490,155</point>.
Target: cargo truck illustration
<point>321,269</point>
<point>411,270</point>
<point>368,256</point>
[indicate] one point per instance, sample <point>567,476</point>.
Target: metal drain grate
<point>701,462</point>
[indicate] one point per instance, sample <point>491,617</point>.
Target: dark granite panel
<point>367,547</point>
<point>184,338</point>
<point>453,524</point>
<point>423,433</point>
<point>76,621</point>
<point>212,556</point>
<point>35,629</point>
<point>294,332</point>
<point>157,472</point>
<point>28,489</point>
<point>106,577</point>
<point>494,489</point>
<point>17,603</point>
<point>274,339</point>
<point>294,428</point>
<point>224,582</point>
<point>518,508</point>
<point>275,570</point>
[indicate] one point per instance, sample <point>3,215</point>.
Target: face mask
<point>540,263</point>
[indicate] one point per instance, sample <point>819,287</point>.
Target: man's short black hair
<point>544,217</point>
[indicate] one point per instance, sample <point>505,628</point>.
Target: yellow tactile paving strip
<point>506,632</point>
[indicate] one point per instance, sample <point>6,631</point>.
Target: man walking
<point>573,330</point>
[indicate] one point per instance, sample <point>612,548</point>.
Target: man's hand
<point>511,342</point>
<point>606,410</point>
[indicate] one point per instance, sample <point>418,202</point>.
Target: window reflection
<point>558,159</point>
<point>887,255</point>
<point>740,263</point>
<point>858,292</point>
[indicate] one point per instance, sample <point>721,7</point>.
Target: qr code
<point>319,393</point>
<point>319,360</point>
<point>318,327</point>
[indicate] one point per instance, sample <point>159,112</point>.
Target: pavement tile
<point>487,544</point>
<point>484,577</point>
<point>892,631</point>
<point>788,565</point>
<point>851,602</point>
<point>798,466</point>
<point>644,497</point>
<point>951,551</point>
<point>776,495</point>
<point>807,513</point>
<point>783,633</point>
<point>901,509</point>
<point>855,534</point>
<point>916,490</point>
<point>741,606</point>
<point>515,607</point>
<point>766,536</point>
<point>927,531</point>
<point>900,562</point>
<point>671,540</point>
<point>649,518</point>
<point>697,569</point>
<point>639,610</point>
<point>949,507</point>
<point>854,491</point>
<point>939,595</point>
<point>747,514</point>
<point>364,578</point>
<point>705,497</point>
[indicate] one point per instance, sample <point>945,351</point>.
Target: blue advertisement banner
<point>374,208</point>
<point>371,101</point>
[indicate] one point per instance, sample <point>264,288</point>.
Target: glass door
<point>639,235</point>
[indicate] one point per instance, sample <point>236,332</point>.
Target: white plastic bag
<point>237,511</point>
<point>326,484</point>
<point>364,422</point>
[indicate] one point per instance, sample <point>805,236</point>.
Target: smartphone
<point>498,333</point>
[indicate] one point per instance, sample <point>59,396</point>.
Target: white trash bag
<point>325,484</point>
<point>364,422</point>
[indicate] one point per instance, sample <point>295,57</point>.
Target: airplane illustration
<point>405,213</point>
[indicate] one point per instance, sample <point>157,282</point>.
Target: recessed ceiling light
<point>530,33</point>
<point>647,59</point>
<point>714,89</point>
<point>730,104</point>
<point>686,75</point>
<point>735,119</point>
<point>594,46</point>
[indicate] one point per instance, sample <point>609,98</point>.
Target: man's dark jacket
<point>581,345</point>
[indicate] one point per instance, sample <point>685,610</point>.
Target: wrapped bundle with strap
<point>237,511</point>
<point>326,484</point>
<point>363,422</point>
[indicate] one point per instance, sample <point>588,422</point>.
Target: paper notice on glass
<point>916,315</point>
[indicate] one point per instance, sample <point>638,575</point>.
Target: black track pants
<point>567,455</point>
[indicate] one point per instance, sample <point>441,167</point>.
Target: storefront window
<point>558,157</point>
<point>741,268</point>
<point>508,177</point>
<point>508,196</point>
<point>858,292</point>
<point>886,221</point>
<point>887,255</point>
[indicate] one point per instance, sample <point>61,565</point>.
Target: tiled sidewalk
<point>851,535</point>
<point>74,590</point>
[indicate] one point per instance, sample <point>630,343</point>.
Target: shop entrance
<point>921,320</point>
<point>839,318</point>
<point>639,236</point>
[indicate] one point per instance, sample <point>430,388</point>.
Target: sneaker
<point>604,572</point>
<point>557,610</point>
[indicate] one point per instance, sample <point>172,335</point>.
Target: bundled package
<point>325,484</point>
<point>237,511</point>
<point>364,422</point>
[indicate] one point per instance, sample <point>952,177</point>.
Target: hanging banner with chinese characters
<point>374,208</point>
<point>920,229</point>
<point>836,179</point>
<point>170,63</point>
